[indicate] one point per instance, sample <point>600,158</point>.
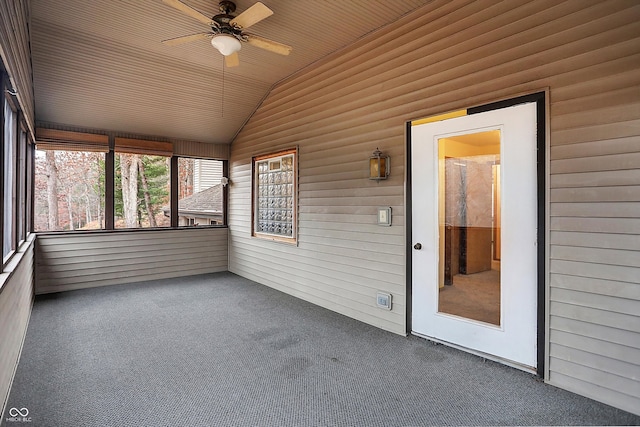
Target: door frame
<point>540,99</point>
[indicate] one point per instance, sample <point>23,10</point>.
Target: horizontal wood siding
<point>16,299</point>
<point>447,56</point>
<point>76,261</point>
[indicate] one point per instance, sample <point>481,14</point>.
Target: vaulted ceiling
<point>100,64</point>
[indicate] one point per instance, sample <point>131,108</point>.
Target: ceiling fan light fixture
<point>226,44</point>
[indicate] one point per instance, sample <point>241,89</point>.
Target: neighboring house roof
<point>207,203</point>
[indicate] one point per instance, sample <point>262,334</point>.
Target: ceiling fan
<point>227,31</point>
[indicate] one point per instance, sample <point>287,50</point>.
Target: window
<point>69,190</point>
<point>142,183</point>
<point>69,180</point>
<point>28,190</point>
<point>275,193</point>
<point>10,148</point>
<point>15,180</point>
<point>141,190</point>
<point>87,181</point>
<point>22,186</point>
<point>200,192</point>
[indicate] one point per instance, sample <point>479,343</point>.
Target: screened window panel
<point>9,175</point>
<point>200,192</point>
<point>69,190</point>
<point>22,186</point>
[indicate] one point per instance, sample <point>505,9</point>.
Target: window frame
<point>141,153</point>
<point>9,101</point>
<point>21,178</point>
<point>224,195</point>
<point>255,200</point>
<point>143,147</point>
<point>22,182</point>
<point>37,202</point>
<point>112,145</point>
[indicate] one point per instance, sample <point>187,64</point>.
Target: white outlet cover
<point>383,300</point>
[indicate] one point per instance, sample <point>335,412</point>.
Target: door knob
<point>417,246</point>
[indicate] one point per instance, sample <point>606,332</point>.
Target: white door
<point>474,202</point>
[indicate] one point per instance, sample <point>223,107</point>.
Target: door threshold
<point>510,363</point>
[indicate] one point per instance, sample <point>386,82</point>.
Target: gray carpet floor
<point>219,350</point>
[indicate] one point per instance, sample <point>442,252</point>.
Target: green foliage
<point>157,171</point>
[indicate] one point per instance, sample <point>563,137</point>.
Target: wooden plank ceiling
<point>99,64</point>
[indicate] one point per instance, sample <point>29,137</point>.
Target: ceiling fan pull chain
<point>222,100</point>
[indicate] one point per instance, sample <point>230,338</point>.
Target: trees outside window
<point>68,190</point>
<point>142,188</point>
<point>78,177</point>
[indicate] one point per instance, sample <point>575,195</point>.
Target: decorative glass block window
<point>275,191</point>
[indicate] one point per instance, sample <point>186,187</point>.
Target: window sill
<point>270,237</point>
<point>127,230</point>
<point>15,260</point>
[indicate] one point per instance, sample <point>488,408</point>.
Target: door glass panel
<point>469,226</point>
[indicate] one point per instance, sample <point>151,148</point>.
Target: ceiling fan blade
<point>232,60</point>
<point>269,45</point>
<point>188,10</point>
<point>254,14</point>
<point>186,39</point>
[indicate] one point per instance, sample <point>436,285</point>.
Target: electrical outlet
<point>383,300</point>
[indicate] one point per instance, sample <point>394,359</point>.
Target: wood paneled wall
<point>16,53</point>
<point>446,56</point>
<point>16,279</point>
<point>16,299</point>
<point>83,260</point>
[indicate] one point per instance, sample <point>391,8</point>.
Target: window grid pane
<point>275,196</point>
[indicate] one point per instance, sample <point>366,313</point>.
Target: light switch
<point>384,216</point>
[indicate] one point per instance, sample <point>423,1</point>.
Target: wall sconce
<point>379,166</point>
